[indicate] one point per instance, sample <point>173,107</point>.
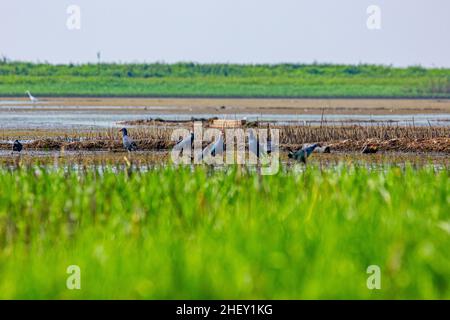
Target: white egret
<point>32,98</point>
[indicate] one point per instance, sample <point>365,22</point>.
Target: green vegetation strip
<point>223,80</point>
<point>182,233</point>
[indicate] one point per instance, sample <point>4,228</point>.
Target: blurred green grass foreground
<point>171,233</point>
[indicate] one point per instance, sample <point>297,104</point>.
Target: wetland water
<point>83,117</point>
<point>148,159</point>
<point>57,117</point>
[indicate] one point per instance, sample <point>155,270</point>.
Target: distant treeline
<point>159,70</point>
<point>223,80</point>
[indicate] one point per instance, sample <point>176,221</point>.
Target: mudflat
<point>236,106</point>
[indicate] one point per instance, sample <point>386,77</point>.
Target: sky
<point>409,32</point>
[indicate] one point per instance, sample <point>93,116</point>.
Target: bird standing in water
<point>186,144</point>
<point>32,99</point>
<point>369,148</point>
<point>258,148</point>
<point>188,140</point>
<point>214,149</point>
<point>303,153</point>
<point>128,143</point>
<point>17,146</point>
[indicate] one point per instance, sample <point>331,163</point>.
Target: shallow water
<point>63,119</point>
<point>24,117</point>
<point>143,160</point>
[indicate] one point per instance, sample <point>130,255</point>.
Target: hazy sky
<point>243,31</point>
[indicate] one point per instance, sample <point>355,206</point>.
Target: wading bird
<point>17,146</point>
<point>32,99</point>
<point>257,148</point>
<point>369,148</point>
<point>186,144</point>
<point>128,143</point>
<point>188,140</point>
<point>303,153</point>
<point>215,148</point>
